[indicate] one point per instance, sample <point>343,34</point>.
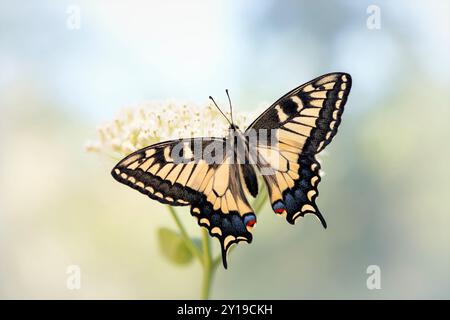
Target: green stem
<point>192,247</point>
<point>207,266</point>
<point>260,202</point>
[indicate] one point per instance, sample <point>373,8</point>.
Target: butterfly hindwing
<point>304,121</point>
<point>171,173</point>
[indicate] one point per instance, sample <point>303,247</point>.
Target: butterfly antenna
<point>220,110</point>
<point>231,108</point>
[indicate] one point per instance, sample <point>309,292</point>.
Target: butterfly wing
<point>304,121</point>
<point>176,173</point>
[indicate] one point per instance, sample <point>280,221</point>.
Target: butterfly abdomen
<point>250,179</point>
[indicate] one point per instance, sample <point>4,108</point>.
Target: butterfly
<point>295,129</point>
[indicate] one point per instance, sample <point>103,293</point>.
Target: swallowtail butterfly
<point>295,128</point>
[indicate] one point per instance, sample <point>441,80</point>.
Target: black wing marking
<point>304,121</point>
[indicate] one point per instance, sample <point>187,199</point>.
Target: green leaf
<point>173,247</point>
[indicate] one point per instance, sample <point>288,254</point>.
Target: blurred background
<point>68,66</point>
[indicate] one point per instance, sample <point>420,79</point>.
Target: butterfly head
<point>234,127</point>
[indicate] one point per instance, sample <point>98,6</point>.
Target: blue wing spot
<point>227,227</point>
<point>236,221</point>
<point>304,184</point>
<point>215,219</point>
<point>291,203</point>
<point>305,173</point>
<point>300,195</point>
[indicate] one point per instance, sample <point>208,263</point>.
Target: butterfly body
<point>215,175</point>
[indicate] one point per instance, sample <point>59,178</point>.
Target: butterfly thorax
<point>238,144</point>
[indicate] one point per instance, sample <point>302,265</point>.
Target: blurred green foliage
<point>173,247</point>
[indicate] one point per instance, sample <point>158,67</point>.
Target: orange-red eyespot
<point>278,207</point>
<point>251,223</point>
<point>249,220</point>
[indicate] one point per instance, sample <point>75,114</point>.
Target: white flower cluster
<point>138,127</point>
